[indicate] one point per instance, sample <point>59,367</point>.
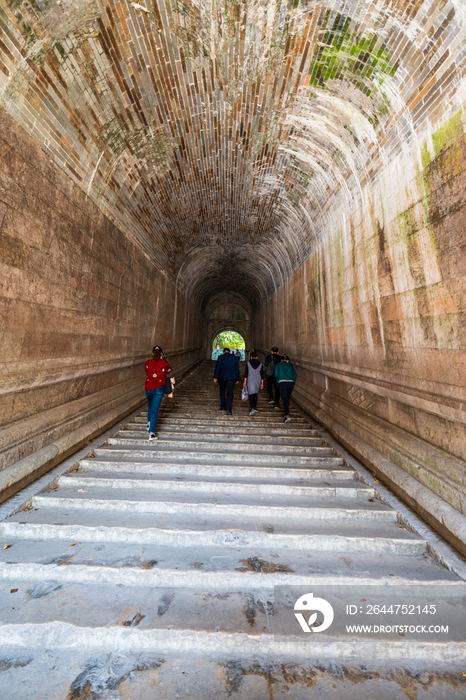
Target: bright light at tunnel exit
<point>228,339</point>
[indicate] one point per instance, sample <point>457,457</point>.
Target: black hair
<point>254,354</point>
<point>274,349</point>
<point>157,347</point>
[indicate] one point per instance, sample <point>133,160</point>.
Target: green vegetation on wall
<point>344,54</point>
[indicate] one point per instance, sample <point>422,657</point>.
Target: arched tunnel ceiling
<point>220,136</point>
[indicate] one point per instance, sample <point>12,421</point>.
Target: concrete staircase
<point>170,569</point>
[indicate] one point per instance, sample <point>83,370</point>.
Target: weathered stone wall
<point>81,307</point>
<point>375,322</point>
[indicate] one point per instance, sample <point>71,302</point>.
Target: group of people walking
<point>277,370</point>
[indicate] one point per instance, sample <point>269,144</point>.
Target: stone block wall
<point>375,322</point>
<point>81,308</point>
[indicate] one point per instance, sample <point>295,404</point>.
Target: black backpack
<point>270,369</point>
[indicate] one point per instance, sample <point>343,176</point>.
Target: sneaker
<point>255,410</point>
<point>277,408</point>
<point>221,409</point>
<point>287,419</point>
<point>229,413</point>
<point>252,412</point>
<point>153,436</point>
<point>271,401</point>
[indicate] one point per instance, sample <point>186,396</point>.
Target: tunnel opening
<point>228,338</point>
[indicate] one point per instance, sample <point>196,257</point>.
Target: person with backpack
<point>271,362</point>
<point>285,375</point>
<point>157,371</point>
<point>254,380</point>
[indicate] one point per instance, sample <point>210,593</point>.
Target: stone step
<point>261,473</point>
<point>207,428</point>
<point>177,577</point>
<point>231,503</point>
<point>248,649</point>
<point>151,450</point>
<point>236,418</point>
<point>191,530</point>
<point>165,619</point>
<point>145,674</point>
<point>212,567</point>
<point>207,408</point>
<point>234,446</point>
<point>230,423</point>
<point>187,483</point>
<point>227,438</point>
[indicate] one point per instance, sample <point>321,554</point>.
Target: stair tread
<point>127,495</point>
<point>194,479</point>
<point>180,521</point>
<point>58,555</point>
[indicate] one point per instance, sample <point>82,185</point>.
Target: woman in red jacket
<point>157,371</point>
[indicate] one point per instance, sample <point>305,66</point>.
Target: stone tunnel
<point>292,169</point>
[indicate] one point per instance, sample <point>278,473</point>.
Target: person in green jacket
<point>285,375</point>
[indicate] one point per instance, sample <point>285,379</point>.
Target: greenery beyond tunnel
<point>228,339</point>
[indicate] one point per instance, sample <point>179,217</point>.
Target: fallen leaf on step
<point>74,544</point>
<point>82,490</point>
<point>14,590</point>
<point>7,546</point>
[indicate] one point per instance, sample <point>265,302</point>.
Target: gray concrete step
<point>76,669</point>
<point>275,446</point>
<point>262,474</point>
<point>349,488</point>
<point>226,437</point>
<point>237,418</point>
<point>189,530</point>
<point>151,450</point>
<point>210,567</point>
<point>222,618</point>
<point>287,431</point>
<point>193,549</point>
<point>231,503</point>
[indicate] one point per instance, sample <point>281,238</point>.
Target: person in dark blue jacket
<point>226,375</point>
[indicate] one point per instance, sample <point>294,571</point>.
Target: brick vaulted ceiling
<point>221,136</point>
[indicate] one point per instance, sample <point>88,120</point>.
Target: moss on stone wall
<point>450,132</point>
<point>361,59</point>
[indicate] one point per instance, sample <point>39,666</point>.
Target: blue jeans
<point>154,399</point>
